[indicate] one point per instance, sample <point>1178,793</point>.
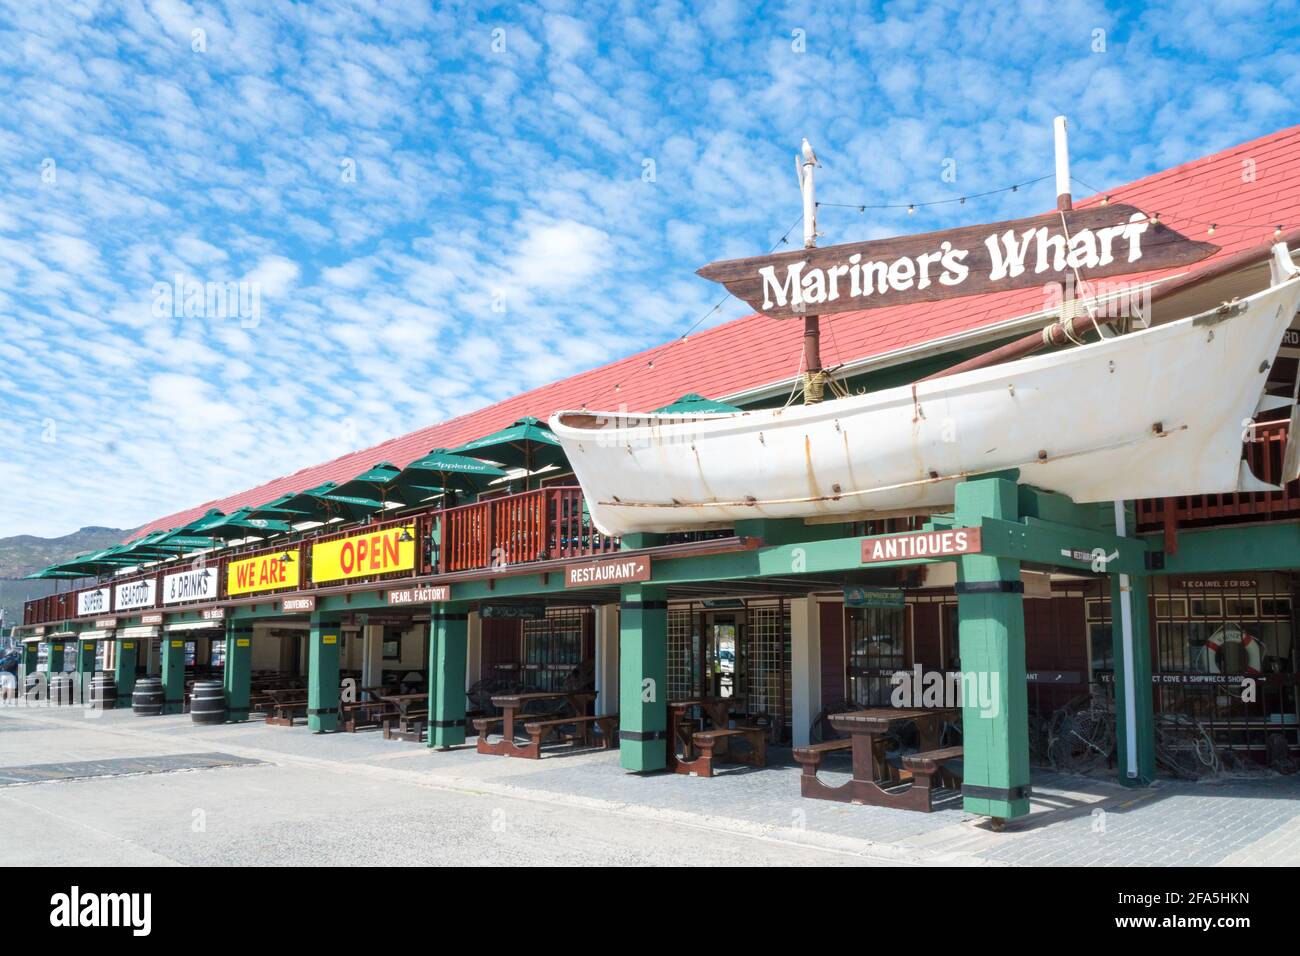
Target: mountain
<point>22,554</point>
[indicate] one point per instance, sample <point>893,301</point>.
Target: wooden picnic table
<point>410,717</point>
<point>512,704</point>
<point>699,745</point>
<point>872,773</point>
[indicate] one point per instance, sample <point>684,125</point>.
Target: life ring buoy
<point>1232,634</point>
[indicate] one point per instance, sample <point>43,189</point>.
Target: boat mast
<point>814,378</point>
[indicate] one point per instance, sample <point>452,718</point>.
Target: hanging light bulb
<point>1105,200</point>
<point>1277,233</point>
<point>911,210</point>
<point>1155,219</point>
<point>650,364</point>
<point>1210,231</point>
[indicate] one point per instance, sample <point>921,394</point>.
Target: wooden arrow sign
<point>1020,253</point>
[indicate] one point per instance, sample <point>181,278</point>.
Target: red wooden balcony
<point>1263,451</point>
<point>502,532</point>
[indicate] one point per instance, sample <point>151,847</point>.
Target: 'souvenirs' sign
<point>1098,242</point>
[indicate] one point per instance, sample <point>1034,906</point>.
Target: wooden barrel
<point>103,691</point>
<point>61,689</point>
<point>208,702</point>
<point>147,698</point>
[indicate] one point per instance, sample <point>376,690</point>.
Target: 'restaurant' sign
<point>362,555</point>
<point>196,584</point>
<point>921,544</point>
<point>611,571</point>
<point>429,595</point>
<point>1017,254</point>
<point>93,602</point>
<point>135,594</point>
<point>263,573</point>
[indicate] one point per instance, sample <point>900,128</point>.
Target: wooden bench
<point>931,764</point>
<point>538,729</point>
<point>410,727</point>
<point>286,706</point>
<point>706,741</point>
<point>810,757</point>
<point>364,713</point>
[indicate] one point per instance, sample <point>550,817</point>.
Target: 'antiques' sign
<point>263,573</point>
<point>921,544</point>
<point>135,594</point>
<point>611,571</point>
<point>196,584</point>
<point>93,602</point>
<point>364,555</point>
<point>1021,253</point>
<point>430,595</point>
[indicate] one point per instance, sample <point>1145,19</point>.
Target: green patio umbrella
<point>382,481</point>
<point>237,524</point>
<point>693,404</point>
<point>315,504</point>
<point>526,444</point>
<point>446,469</point>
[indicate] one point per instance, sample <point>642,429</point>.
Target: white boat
<point>1153,413</point>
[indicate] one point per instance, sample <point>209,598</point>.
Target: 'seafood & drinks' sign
<point>917,545</point>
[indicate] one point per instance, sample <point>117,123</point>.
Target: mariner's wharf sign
<point>263,573</point>
<point>921,544</point>
<point>196,584</point>
<point>1098,242</point>
<point>613,571</point>
<point>363,555</point>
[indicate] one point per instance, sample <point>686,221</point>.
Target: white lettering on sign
<point>429,595</point>
<point>618,571</point>
<point>93,602</point>
<point>135,594</point>
<point>1042,250</point>
<point>197,584</point>
<point>923,544</point>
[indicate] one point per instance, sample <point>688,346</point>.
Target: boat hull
<point>1155,413</point>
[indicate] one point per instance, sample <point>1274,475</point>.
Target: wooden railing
<point>534,526</point>
<point>1263,451</point>
<point>516,529</point>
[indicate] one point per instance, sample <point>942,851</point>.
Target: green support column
<point>323,674</point>
<point>124,669</point>
<point>31,656</point>
<point>1143,771</point>
<point>54,660</point>
<point>643,677</point>
<point>237,677</point>
<point>991,628</point>
<point>85,668</point>
<point>173,674</point>
<point>448,648</point>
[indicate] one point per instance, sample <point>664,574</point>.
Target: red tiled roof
<point>1257,182</point>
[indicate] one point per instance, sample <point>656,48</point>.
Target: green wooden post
<point>54,659</point>
<point>85,667</point>
<point>991,628</point>
<point>643,677</point>
<point>124,669</point>
<point>1143,771</point>
<point>236,679</point>
<point>323,674</point>
<point>173,674</point>
<point>448,648</point>
<point>31,657</point>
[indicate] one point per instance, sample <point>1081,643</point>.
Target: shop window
<point>1200,607</point>
<point>875,638</point>
<point>683,654</point>
<point>217,657</point>
<point>1098,610</point>
<point>552,651</point>
<point>767,689</point>
<point>191,650</point>
<point>392,646</point>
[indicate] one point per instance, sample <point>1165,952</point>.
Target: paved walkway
<point>121,789</point>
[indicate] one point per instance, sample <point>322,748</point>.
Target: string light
<point>911,207</point>
<point>1277,233</point>
<point>1210,231</point>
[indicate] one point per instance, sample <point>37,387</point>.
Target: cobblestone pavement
<point>318,798</point>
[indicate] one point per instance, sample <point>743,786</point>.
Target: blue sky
<point>438,206</point>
